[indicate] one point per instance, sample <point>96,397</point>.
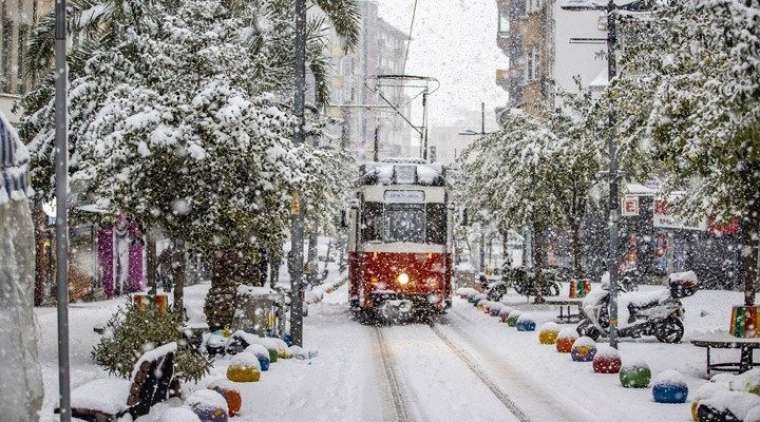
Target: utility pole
<point>614,212</point>
<point>61,202</point>
<point>297,209</point>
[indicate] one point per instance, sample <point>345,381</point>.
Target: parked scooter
<point>656,313</point>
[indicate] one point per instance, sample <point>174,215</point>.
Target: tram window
<point>436,223</point>
<point>372,221</point>
<point>404,223</point>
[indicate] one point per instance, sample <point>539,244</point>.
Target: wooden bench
<point>723,340</point>
<point>107,400</point>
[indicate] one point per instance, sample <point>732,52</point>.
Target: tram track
<point>389,369</point>
<point>499,394</point>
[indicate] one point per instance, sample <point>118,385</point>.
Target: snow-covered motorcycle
<point>656,313</point>
<point>523,281</point>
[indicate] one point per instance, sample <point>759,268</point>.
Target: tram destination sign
<point>404,196</point>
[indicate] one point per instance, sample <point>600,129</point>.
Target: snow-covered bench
<point>107,400</point>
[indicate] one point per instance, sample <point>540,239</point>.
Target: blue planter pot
<point>264,363</point>
<point>670,393</point>
<point>526,325</point>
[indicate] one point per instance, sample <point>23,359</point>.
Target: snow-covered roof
<point>402,172</point>
<point>639,189</point>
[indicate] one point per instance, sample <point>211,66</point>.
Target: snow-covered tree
<point>184,122</point>
<point>698,96</point>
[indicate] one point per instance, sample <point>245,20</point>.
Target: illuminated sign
<point>404,196</point>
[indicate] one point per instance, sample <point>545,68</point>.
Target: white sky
<point>455,42</point>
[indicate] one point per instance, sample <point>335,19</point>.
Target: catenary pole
<point>297,209</point>
<point>614,211</point>
<point>61,219</point>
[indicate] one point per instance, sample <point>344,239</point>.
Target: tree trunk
<point>577,250</point>
<point>220,301</point>
<point>152,264</point>
<point>539,261</point>
<point>179,274</point>
<point>312,261</point>
<point>275,260</point>
<point>41,258</point>
<point>749,259</point>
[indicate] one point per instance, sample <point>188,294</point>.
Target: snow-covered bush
<point>134,331</point>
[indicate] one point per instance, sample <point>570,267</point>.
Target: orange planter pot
<point>233,398</point>
<point>565,344</point>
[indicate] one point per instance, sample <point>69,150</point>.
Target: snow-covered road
<point>465,366</point>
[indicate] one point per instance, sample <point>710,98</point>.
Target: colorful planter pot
<point>744,321</point>
<point>261,353</point>
<point>565,340</point>
<point>525,322</point>
<point>513,317</point>
<point>548,333</point>
<point>583,349</point>
<point>208,405</point>
<point>231,396</point>
<point>607,360</point>
<point>635,376</point>
<point>504,313</point>
<point>244,368</point>
<point>670,393</point>
<point>496,309</point>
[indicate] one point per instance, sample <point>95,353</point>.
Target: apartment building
<point>361,113</point>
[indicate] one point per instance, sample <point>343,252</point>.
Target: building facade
<point>18,19</point>
<point>361,114</point>
<point>539,39</point>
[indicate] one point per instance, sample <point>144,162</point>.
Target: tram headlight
<point>403,279</point>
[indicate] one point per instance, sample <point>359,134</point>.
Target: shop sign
<point>664,218</point>
<point>630,206</point>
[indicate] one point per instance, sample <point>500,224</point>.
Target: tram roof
<point>402,172</point>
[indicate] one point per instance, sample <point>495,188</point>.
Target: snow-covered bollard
<point>230,393</point>
<point>548,333</point>
<point>583,350</point>
<point>261,353</point>
<point>565,339</point>
<point>244,368</point>
<point>178,414</point>
<point>526,322</point>
<point>669,387</point>
<point>635,375</point>
<point>482,303</point>
<point>208,406</point>
<point>466,292</point>
<point>504,313</point>
<point>607,360</point>
<point>513,317</point>
<point>298,352</point>
<point>496,307</point>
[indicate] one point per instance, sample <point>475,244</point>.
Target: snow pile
<point>604,351</point>
<point>107,395</point>
<point>736,402</point>
<point>525,317</point>
<point>550,326</point>
<point>178,414</point>
<point>583,342</point>
<point>465,292</point>
<point>207,400</point>
<point>684,276</point>
<point>568,333</point>
<point>669,377</point>
<point>246,360</point>
<point>258,350</point>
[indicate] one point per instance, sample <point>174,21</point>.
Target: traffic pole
<point>297,208</point>
<point>61,219</point>
<point>614,211</point>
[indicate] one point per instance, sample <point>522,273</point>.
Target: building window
<point>532,68</point>
<point>503,21</point>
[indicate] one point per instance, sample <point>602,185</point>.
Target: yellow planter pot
<point>237,373</point>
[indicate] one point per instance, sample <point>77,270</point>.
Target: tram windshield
<point>404,223</point>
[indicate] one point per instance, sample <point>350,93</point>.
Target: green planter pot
<point>635,376</point>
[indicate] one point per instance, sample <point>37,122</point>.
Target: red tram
<point>399,242</point>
